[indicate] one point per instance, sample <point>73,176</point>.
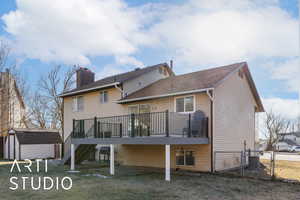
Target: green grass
<point>134,184</point>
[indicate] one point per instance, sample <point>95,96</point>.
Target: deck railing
<point>142,125</point>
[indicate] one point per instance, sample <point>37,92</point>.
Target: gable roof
<point>115,79</point>
<point>199,81</point>
<point>28,136</point>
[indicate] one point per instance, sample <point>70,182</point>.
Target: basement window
<point>185,158</point>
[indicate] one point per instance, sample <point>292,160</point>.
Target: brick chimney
<point>84,76</point>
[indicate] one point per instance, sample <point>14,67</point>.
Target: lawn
<point>284,169</point>
<point>138,184</point>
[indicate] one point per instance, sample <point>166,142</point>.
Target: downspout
<point>120,89</point>
<point>62,149</point>
<point>210,94</point>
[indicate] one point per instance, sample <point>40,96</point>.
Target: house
<point>154,118</point>
<point>17,138</point>
<point>287,141</point>
<point>12,108</point>
<point>32,144</point>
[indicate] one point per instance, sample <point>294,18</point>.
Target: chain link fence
<point>258,164</point>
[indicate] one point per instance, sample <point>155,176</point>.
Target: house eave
<point>89,89</point>
<point>163,95</point>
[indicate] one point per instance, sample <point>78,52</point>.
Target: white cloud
<point>109,70</point>
<point>202,32</point>
<point>196,32</point>
<point>128,60</point>
<point>288,108</point>
<point>71,31</point>
<point>287,71</point>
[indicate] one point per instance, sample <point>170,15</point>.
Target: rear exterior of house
<point>157,119</point>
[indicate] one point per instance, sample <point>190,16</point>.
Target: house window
<point>133,109</point>
<point>185,158</point>
<point>136,109</point>
<point>185,104</point>
<point>103,97</point>
<point>78,104</point>
<point>144,108</point>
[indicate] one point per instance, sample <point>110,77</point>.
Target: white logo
<point>37,182</point>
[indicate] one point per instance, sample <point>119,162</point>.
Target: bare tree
<point>275,125</point>
<point>51,86</point>
<point>295,125</point>
<point>4,52</point>
<point>38,111</point>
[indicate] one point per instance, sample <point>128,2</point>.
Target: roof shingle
<point>186,82</point>
<point>117,78</point>
<point>38,137</point>
<point>199,80</point>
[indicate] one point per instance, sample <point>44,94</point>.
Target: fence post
<point>242,163</point>
<point>121,130</point>
<point>95,127</point>
<point>273,164</point>
<point>100,132</point>
<point>204,127</point>
<point>132,124</point>
<point>82,128</point>
<point>189,126</point>
<point>167,123</point>
<point>215,157</point>
<point>148,130</point>
<point>74,134</point>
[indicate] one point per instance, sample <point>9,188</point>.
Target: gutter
<point>89,89</point>
<point>163,95</point>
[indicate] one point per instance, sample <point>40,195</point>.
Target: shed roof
<point>38,136</point>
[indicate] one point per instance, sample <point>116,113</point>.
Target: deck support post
<point>72,157</point>
<point>168,163</point>
<point>112,160</point>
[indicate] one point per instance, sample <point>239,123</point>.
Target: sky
<point>115,36</point>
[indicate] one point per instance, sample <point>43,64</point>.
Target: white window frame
<point>138,107</point>
<point>75,105</point>
<point>194,102</point>
<point>184,155</point>
<point>100,98</point>
<point>134,105</point>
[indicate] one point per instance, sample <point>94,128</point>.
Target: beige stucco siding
<point>154,156</point>
<point>234,120</point>
<point>92,108</point>
<point>140,155</point>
